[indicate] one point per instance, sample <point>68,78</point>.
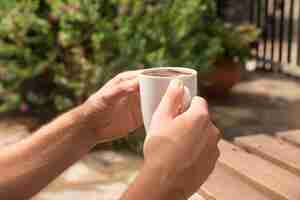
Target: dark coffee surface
<point>166,73</point>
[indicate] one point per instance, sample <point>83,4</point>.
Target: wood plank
<point>275,150</point>
<point>197,196</point>
<point>292,137</point>
<point>265,176</point>
<point>223,184</point>
<point>206,195</point>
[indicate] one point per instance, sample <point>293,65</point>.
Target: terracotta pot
<point>219,81</point>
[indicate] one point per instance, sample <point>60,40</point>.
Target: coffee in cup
<point>166,73</point>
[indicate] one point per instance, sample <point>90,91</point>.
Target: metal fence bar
<point>258,11</point>
<point>281,32</point>
<point>273,30</point>
<point>298,41</point>
<point>265,31</point>
<point>220,8</point>
<point>258,23</point>
<point>280,41</point>
<point>252,11</point>
<point>291,30</point>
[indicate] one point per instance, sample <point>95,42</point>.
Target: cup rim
<point>189,70</point>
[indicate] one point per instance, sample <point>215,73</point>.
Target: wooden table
<point>257,167</point>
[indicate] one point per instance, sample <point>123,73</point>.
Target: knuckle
<point>203,102</point>
<point>120,88</point>
<point>98,101</point>
<point>187,123</point>
<point>217,133</point>
<point>213,141</point>
<point>120,77</point>
<point>104,99</point>
<point>202,117</point>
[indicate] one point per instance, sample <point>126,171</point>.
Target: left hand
<point>115,109</point>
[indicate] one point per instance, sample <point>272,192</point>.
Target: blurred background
<point>55,53</point>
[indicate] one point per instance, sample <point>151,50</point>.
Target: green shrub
<point>54,54</point>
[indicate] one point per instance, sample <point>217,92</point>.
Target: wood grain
<point>292,137</point>
<point>275,150</point>
<point>278,183</point>
<point>223,184</point>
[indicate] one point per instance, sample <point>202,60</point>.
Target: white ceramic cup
<point>153,88</point>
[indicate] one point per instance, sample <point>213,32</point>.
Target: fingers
<point>124,76</point>
<point>134,103</point>
<point>214,154</point>
<point>115,93</point>
<point>172,102</point>
<point>120,86</point>
<point>214,137</point>
<point>207,139</point>
<point>215,131</point>
<point>197,114</point>
<point>211,152</point>
<point>121,78</point>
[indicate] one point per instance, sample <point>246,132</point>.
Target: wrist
<point>83,117</point>
<point>159,161</point>
<point>159,179</point>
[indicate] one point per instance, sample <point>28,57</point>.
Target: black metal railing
<point>280,42</point>
<point>279,22</point>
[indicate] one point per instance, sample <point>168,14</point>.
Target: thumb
<point>172,102</point>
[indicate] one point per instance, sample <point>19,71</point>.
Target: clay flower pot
<point>219,81</point>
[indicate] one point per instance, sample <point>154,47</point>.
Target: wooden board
<point>292,137</point>
<point>223,184</point>
<point>277,151</point>
<point>263,175</point>
<point>206,194</point>
<point>197,196</point>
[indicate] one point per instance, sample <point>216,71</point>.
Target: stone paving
<point>100,175</point>
<point>262,103</point>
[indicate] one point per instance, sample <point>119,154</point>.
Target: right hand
<point>114,110</point>
<point>182,145</point>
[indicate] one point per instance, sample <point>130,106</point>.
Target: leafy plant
<point>54,54</point>
<point>235,41</point>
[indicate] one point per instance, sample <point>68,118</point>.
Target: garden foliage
<point>55,53</point>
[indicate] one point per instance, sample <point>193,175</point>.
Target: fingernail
<point>176,83</point>
<point>197,98</point>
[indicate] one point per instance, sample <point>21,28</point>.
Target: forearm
<point>149,185</point>
<point>30,165</point>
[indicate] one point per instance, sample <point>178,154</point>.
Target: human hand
<point>114,110</point>
<point>183,146</point>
